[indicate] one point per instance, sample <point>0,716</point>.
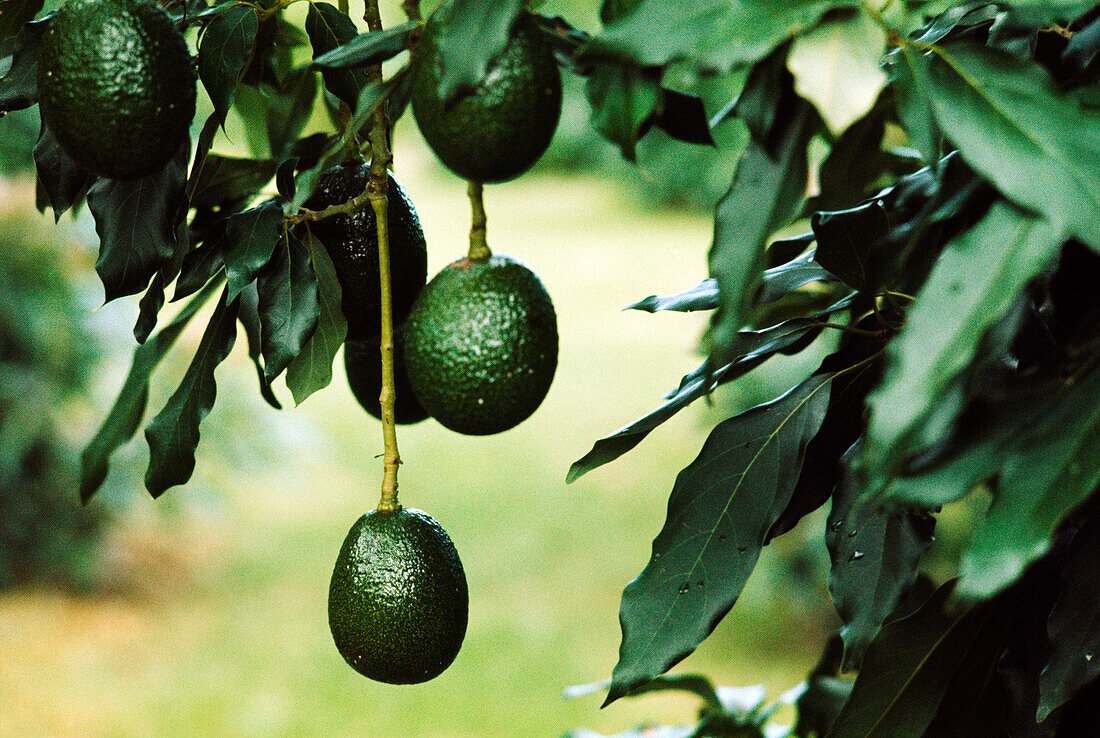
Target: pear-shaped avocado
<point>398,602</point>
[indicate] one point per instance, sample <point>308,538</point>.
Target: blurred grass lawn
<point>232,638</point>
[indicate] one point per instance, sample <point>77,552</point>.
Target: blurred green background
<point>204,612</point>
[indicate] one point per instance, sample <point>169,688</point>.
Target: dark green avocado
<point>481,345</point>
<point>116,86</point>
<point>398,602</point>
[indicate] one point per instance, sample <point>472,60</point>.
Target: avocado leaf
<point>173,434</point>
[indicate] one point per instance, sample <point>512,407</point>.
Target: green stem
<point>479,246</point>
<point>376,192</point>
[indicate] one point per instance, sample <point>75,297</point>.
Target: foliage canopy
<point>918,183</point>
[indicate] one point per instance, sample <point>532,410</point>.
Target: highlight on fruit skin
<point>398,601</point>
<point>352,243</point>
<point>481,345</point>
<point>116,86</point>
<point>498,130</point>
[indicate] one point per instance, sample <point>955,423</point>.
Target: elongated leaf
<point>15,13</point>
<point>311,369</point>
<point>225,179</point>
<point>856,368</point>
<point>719,512</point>
<point>976,282</point>
<point>623,99</point>
<point>19,87</point>
<point>764,195</point>
<point>173,434</point>
<point>373,47</point>
<point>716,34</point>
<point>906,672</point>
<point>472,34</point>
<point>855,161</point>
<point>836,66</point>
<point>875,555</point>
<point>224,50</point>
<point>329,29</point>
<point>703,296</point>
<point>249,316</point>
<point>1053,466</point>
<point>288,111</point>
<point>1015,127</point>
<point>61,178</point>
<point>752,349</point>
<point>136,222</point>
<point>683,117</point>
<point>249,242</point>
<point>125,416</point>
<point>1074,624</point>
<point>289,306</point>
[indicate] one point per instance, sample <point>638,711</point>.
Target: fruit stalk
<point>479,245</point>
<point>380,160</point>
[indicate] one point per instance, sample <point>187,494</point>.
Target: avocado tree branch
<point>376,191</point>
<point>479,246</point>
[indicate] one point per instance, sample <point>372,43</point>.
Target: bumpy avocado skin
<point>116,85</point>
<point>497,131</point>
<point>398,601</point>
<point>481,345</point>
<point>363,366</point>
<point>352,243</point>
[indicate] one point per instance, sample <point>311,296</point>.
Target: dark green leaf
<point>1074,624</point>
<point>126,414</point>
<point>906,672</point>
<point>623,100</point>
<point>716,34</point>
<point>200,265</point>
<point>289,306</point>
<point>875,555</point>
<point>397,101</point>
<point>62,179</point>
<point>1051,467</point>
<point>752,349</point>
<point>764,195</point>
<point>289,110</point>
<point>855,161</point>
<point>856,370</point>
<point>330,29</point>
<point>311,369</point>
<point>757,105</point>
<point>225,179</point>
<point>823,693</point>
<point>612,10</point>
<point>284,178</point>
<point>683,117</point>
<point>136,221</point>
<point>224,51</point>
<point>1082,48</point>
<point>780,281</point>
<point>249,242</point>
<point>1015,127</point>
<point>914,108</point>
<point>846,241</point>
<point>371,97</point>
<point>173,434</point>
<point>19,87</point>
<point>975,283</point>
<point>719,512</point>
<point>472,34</point>
<point>15,13</point>
<point>202,150</point>
<point>369,48</point>
<point>249,316</point>
<point>150,304</point>
<point>703,296</point>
